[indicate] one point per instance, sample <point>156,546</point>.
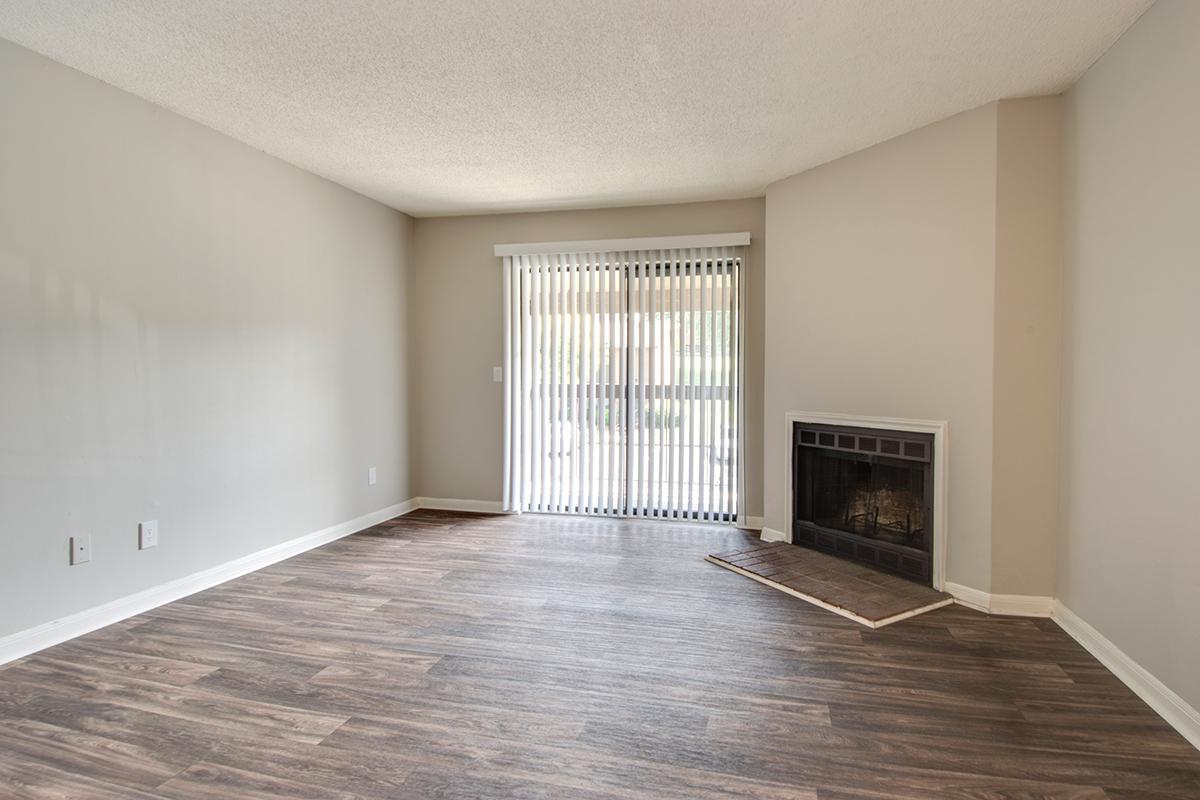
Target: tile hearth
<point>854,591</point>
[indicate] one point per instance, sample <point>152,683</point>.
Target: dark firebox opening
<point>879,501</point>
<point>865,494</point>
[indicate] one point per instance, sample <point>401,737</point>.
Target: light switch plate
<point>371,476</point>
<point>81,549</point>
<point>148,534</point>
<point>497,374</point>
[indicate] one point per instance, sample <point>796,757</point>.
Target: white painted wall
<point>880,283</point>
<point>1129,544</point>
<point>190,331</point>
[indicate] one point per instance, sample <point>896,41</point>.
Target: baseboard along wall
<point>772,535</point>
<point>453,504</point>
<point>1170,706</point>
<point>1014,605</point>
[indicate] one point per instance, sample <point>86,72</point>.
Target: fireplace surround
<point>872,489</point>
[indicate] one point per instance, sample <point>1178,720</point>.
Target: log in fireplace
<point>865,494</point>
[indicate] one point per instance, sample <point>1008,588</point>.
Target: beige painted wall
<point>1028,345</point>
<point>456,309</point>
<point>190,331</point>
<point>879,297</point>
<point>1130,539</point>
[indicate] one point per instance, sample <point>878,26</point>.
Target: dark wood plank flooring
<point>454,656</point>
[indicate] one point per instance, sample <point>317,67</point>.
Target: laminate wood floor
<point>447,656</point>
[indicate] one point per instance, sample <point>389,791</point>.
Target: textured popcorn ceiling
<point>480,105</point>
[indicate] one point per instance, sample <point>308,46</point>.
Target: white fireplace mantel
<point>938,428</point>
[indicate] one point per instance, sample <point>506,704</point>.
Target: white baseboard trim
<point>772,535</point>
<point>1170,706</point>
<point>752,523</point>
<point>23,643</point>
<point>1014,605</point>
<point>454,504</point>
<point>1022,605</point>
<point>971,598</point>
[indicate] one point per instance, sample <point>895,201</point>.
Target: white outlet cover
<point>148,534</point>
<point>81,549</point>
<point>371,476</point>
<point>498,374</point>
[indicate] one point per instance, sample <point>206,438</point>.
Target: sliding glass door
<point>623,382</point>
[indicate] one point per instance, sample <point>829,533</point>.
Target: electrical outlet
<point>81,549</point>
<point>147,534</point>
<point>497,374</point>
<point>371,476</point>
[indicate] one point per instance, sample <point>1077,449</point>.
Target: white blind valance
<point>644,244</point>
<point>623,376</point>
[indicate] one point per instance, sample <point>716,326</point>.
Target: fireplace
<point>865,494</point>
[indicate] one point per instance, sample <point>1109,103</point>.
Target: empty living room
<point>617,400</point>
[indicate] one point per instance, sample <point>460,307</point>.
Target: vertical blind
<point>623,377</point>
